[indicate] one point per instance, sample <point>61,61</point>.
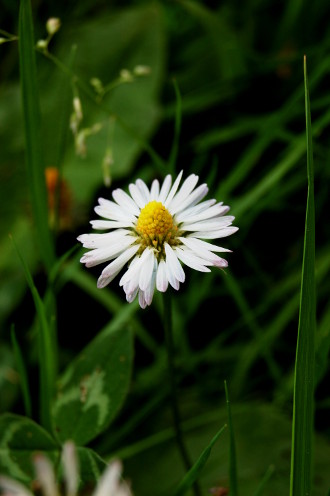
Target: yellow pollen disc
<point>154,220</point>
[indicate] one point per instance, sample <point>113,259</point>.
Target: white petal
<point>101,255</point>
<point>143,190</point>
<point>45,475</point>
<point>173,190</point>
<point>133,272</point>
<point>196,209</point>
<point>154,192</point>
<point>125,201</point>
<point>108,483</point>
<point>137,195</point>
<point>208,225</point>
<point>142,300</point>
<point>170,276</point>
<point>110,272</point>
<point>191,200</point>
<point>146,271</point>
<point>99,240</point>
<point>204,253</point>
<point>165,188</point>
<point>195,243</point>
<point>161,278</point>
<point>172,260</point>
<point>110,210</point>
<point>185,190</point>
<point>10,487</point>
<point>208,213</point>
<point>131,296</point>
<point>221,233</point>
<point>70,467</point>
<point>188,258</point>
<point>110,224</point>
<point>149,292</point>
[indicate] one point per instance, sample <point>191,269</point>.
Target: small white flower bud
<point>126,76</point>
<point>77,108</point>
<point>53,25</point>
<point>42,44</point>
<point>142,70</point>
<point>97,85</point>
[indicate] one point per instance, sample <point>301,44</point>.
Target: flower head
<point>155,230</point>
<point>108,485</point>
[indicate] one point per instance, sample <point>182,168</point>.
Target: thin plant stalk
<point>168,328</point>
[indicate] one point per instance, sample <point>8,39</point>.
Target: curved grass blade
<point>46,355</point>
<point>233,486</point>
<point>303,400</point>
<point>24,383</point>
<point>191,476</point>
<point>31,118</point>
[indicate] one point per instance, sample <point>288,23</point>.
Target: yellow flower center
<point>155,225</point>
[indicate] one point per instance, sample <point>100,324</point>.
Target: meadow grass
<point>228,97</point>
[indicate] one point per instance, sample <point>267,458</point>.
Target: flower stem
<point>174,397</point>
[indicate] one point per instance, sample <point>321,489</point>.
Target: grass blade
<point>24,383</point>
<point>303,401</point>
<point>191,476</point>
<point>264,481</point>
<point>233,486</point>
<point>46,355</point>
<point>31,118</point>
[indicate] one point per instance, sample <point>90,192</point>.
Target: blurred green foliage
<point>239,69</point>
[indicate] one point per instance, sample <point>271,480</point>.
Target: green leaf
<point>93,387</point>
<point>31,117</point>
<point>20,438</point>
<point>91,465</point>
<point>196,469</point>
<point>303,401</point>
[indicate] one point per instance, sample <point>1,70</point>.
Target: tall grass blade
<point>303,401</point>
<point>45,351</point>
<point>24,383</point>
<point>31,119</point>
<point>233,486</point>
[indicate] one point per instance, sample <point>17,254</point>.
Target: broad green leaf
<point>128,114</point>
<point>93,387</point>
<point>303,399</point>
<point>20,438</point>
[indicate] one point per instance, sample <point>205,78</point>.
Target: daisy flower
<point>155,231</point>
<point>108,485</point>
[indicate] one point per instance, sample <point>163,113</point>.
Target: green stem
<point>174,397</point>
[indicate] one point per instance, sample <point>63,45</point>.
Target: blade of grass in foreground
<point>46,355</point>
<point>31,118</point>
<point>303,401</point>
